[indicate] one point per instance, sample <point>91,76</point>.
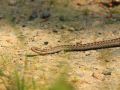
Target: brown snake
<point>79,47</point>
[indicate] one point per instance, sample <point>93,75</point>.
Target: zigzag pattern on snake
<point>79,47</point>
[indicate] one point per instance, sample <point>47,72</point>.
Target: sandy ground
<point>88,70</point>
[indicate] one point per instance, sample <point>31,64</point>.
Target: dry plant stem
<point>79,47</point>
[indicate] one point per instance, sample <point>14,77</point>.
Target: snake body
<point>79,47</point>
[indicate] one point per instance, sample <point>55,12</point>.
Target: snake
<point>78,47</point>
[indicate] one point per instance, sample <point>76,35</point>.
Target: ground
<point>86,70</point>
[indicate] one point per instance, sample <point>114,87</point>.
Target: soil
<point>87,70</point>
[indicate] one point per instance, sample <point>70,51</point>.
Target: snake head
<point>38,50</point>
<point>35,49</point>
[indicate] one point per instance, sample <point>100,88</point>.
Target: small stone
<point>45,43</point>
<point>33,16</point>
<point>62,18</point>
<point>98,75</point>
<point>71,29</point>
<point>55,31</point>
<point>82,28</point>
<point>45,14</point>
<point>1,16</point>
<point>12,2</point>
<point>99,33</point>
<point>63,27</point>
<point>106,72</point>
<point>76,29</point>
<point>32,0</point>
<point>23,25</point>
<point>45,26</point>
<point>87,53</point>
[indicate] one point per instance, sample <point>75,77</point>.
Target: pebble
<point>106,72</point>
<point>99,33</point>
<point>87,53</point>
<point>23,25</point>
<point>45,14</point>
<point>71,29</point>
<point>33,16</point>
<point>64,27</point>
<point>32,0</point>
<point>1,16</point>
<point>12,2</point>
<point>98,75</point>
<point>59,41</point>
<point>62,18</point>
<point>46,43</point>
<point>55,31</point>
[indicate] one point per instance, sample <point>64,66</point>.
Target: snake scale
<point>79,47</point>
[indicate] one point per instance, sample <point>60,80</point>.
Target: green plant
<point>16,82</point>
<point>61,84</point>
<point>33,84</point>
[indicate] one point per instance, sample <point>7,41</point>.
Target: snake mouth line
<point>79,47</point>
